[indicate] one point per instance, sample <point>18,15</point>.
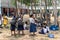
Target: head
<point>26,22</point>
<point>44,24</point>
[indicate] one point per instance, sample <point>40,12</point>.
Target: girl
<point>20,26</point>
<point>32,24</point>
<point>13,25</point>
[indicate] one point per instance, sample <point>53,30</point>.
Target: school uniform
<point>13,25</point>
<point>32,25</point>
<point>25,26</point>
<point>20,24</point>
<point>44,30</point>
<point>47,29</point>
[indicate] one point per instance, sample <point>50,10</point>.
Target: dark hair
<point>44,24</point>
<point>31,15</point>
<point>26,22</point>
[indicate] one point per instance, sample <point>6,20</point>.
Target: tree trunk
<point>28,10</point>
<point>41,10</point>
<point>55,11</point>
<point>8,9</point>
<point>46,11</point>
<point>35,10</point>
<point>16,8</point>
<point>31,7</point>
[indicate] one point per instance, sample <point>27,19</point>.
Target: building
<point>9,9</point>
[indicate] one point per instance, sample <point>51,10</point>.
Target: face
<point>43,25</point>
<point>33,16</point>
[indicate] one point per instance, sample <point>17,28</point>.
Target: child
<point>47,28</point>
<point>25,26</point>
<point>5,21</point>
<point>44,29</point>
<point>13,26</point>
<point>20,26</point>
<point>32,24</point>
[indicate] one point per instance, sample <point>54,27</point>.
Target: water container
<point>51,35</point>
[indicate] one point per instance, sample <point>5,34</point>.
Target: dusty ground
<point>5,35</point>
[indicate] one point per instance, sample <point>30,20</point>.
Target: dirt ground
<point>6,35</point>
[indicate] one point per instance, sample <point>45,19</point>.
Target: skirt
<point>13,27</point>
<point>33,27</point>
<point>20,27</point>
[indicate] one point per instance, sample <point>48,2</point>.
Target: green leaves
<point>49,2</point>
<point>26,2</point>
<point>13,2</point>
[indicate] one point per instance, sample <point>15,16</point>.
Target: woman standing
<point>32,24</point>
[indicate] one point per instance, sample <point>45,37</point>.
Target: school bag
<point>13,22</point>
<point>20,21</point>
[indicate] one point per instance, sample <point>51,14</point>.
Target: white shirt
<point>25,26</point>
<point>45,30</point>
<point>31,20</point>
<point>19,19</point>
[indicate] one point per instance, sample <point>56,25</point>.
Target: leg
<point>11,33</point>
<point>18,32</point>
<point>33,33</point>
<point>22,31</point>
<point>14,32</point>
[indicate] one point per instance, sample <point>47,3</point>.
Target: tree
<point>55,11</point>
<point>26,2</point>
<point>30,3</point>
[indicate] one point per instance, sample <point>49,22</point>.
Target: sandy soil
<point>5,35</point>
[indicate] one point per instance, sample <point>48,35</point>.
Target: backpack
<point>20,21</point>
<point>13,22</point>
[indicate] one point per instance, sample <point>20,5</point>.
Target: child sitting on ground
<point>25,25</point>
<point>44,29</point>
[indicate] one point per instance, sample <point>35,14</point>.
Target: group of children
<point>33,25</point>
